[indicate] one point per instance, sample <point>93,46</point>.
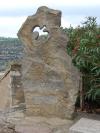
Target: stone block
<point>85,125</point>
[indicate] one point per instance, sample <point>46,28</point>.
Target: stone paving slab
<point>43,125</point>
<point>35,128</point>
<point>85,125</point>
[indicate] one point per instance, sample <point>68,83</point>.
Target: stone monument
<point>49,79</point>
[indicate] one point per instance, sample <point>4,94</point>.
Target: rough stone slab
<point>33,129</point>
<point>46,67</point>
<point>85,125</point>
<point>42,125</point>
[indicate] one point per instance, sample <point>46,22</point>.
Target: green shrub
<point>84,48</point>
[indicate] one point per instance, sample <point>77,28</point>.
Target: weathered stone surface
<point>5,91</point>
<point>85,125</point>
<point>11,89</point>
<point>43,125</point>
<point>47,69</point>
<point>16,85</point>
<point>6,127</point>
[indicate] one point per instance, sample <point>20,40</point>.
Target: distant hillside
<point>11,49</point>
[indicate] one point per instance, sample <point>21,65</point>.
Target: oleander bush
<point>84,48</point>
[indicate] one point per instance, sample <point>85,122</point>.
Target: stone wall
<point>16,85</point>
<point>5,91</point>
<point>49,79</point>
<point>11,88</point>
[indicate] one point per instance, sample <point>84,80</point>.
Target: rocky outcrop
<point>49,79</point>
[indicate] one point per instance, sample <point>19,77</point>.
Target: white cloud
<point>9,26</point>
<point>65,23</point>
<point>67,2</point>
<point>20,9</point>
<point>7,4</point>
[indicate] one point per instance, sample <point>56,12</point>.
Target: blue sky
<point>14,12</point>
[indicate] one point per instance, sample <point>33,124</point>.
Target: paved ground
<point>85,125</point>
<point>43,125</point>
<point>35,124</point>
